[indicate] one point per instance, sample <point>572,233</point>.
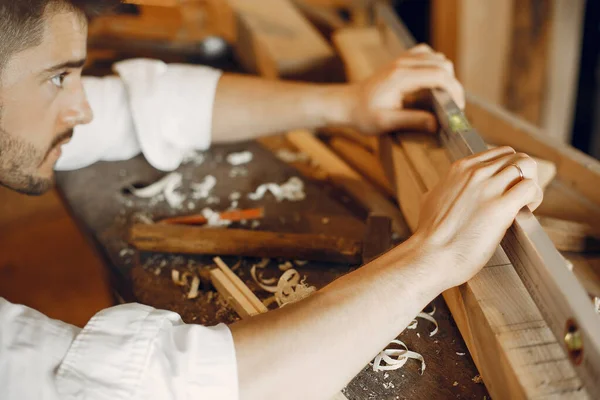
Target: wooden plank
<point>362,161</point>
<point>482,58</point>
<point>444,27</point>
<point>480,330</point>
<point>344,176</point>
<point>232,295</point>
<point>567,21</point>
<point>276,41</point>
<point>196,240</point>
<point>526,72</point>
<point>326,20</point>
<point>258,306</point>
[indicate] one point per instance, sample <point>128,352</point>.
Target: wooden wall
<point>522,55</point>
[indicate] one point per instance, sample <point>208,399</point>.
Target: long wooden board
<point>496,329</point>
<point>240,242</point>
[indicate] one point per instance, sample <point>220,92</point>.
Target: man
<point>134,351</point>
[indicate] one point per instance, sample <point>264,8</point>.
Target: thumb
<point>406,120</point>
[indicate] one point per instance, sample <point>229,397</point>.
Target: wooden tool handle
<point>216,241</point>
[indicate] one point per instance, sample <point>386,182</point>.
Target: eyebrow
<point>72,64</point>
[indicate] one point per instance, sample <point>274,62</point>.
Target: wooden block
<point>364,162</point>
<point>216,241</point>
<point>378,238</point>
<point>259,307</point>
<point>344,176</point>
<point>232,295</point>
<point>276,41</point>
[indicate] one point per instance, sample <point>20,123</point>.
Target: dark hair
<point>21,21</point>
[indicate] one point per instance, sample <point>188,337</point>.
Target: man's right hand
<point>465,217</point>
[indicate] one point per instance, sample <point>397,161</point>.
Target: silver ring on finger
<point>521,175</point>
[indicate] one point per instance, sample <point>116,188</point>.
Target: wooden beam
<point>274,40</point>
<point>241,286</point>
<point>496,315</point>
<point>211,241</point>
<point>364,162</point>
<point>344,176</point>
<point>444,27</point>
<point>571,236</point>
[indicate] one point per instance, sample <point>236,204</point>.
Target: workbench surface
<point>100,202</point>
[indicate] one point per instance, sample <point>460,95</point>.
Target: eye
<point>58,80</point>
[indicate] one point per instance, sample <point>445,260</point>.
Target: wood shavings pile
<point>165,187</point>
<point>289,289</point>
<point>241,158</point>
<point>202,190</point>
<point>288,156</point>
<point>292,190</point>
<point>394,358</point>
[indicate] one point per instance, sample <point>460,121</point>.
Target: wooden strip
<point>238,242</point>
<point>241,286</point>
<point>344,176</point>
<point>364,162</point>
<point>232,295</point>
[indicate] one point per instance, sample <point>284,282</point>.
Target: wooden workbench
<point>99,202</point>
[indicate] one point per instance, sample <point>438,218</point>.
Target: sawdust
<point>240,158</point>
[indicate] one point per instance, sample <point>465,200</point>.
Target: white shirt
<point>129,351</point>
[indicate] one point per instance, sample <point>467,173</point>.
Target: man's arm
<point>311,349</point>
<point>249,107</point>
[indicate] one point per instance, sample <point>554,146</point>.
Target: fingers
<point>509,172</point>
<point>430,78</point>
<point>406,120</point>
<point>480,159</point>
<point>525,193</point>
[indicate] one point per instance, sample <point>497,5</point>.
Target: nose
<point>78,110</point>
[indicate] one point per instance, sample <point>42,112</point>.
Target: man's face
<point>41,101</point>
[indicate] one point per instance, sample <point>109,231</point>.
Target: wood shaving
<point>300,263</point>
<point>235,196</point>
<point>285,266</point>
<point>173,198</point>
<point>213,218</point>
<point>193,293</point>
<point>460,354</point>
<point>241,158</point>
<point>597,304</point>
<point>255,224</point>
<point>180,279</point>
<point>429,317</point>
<point>290,289</point>
<point>202,190</point>
<point>292,190</point>
<point>477,379</point>
<point>455,383</point>
<point>157,187</point>
<point>384,361</point>
<point>288,156</point>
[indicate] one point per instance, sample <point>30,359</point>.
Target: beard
<point>20,162</point>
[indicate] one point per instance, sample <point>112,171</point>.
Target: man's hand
<point>380,102</point>
<point>466,216</point>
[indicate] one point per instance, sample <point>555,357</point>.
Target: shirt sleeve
<point>125,352</point>
<point>162,110</point>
